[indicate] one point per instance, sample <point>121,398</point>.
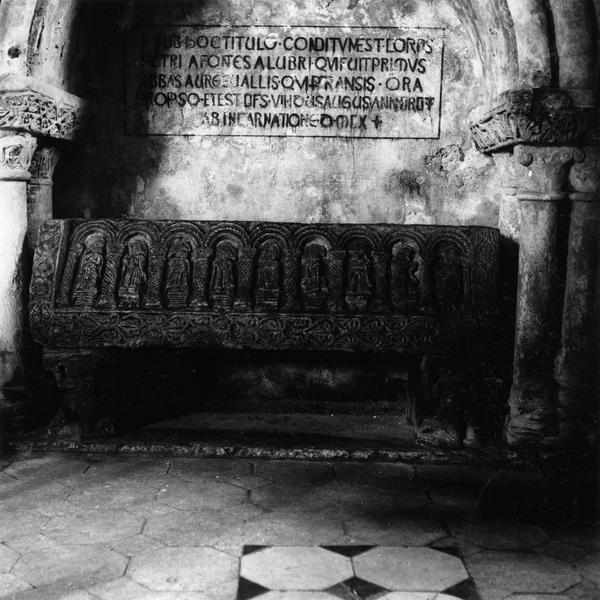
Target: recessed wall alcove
<point>443,181</point>
<point>115,170</point>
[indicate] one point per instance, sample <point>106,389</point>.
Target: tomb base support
<point>75,374</point>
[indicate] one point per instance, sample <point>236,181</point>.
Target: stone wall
<point>440,181</point>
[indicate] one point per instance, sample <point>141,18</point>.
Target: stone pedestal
<point>542,187</point>
<point>16,151</point>
<point>576,367</point>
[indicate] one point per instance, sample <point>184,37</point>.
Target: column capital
<point>16,152</point>
<point>529,116</point>
<point>585,176</point>
<point>543,174</point>
<point>32,106</point>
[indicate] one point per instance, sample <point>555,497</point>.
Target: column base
<point>531,421</point>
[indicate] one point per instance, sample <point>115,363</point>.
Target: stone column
<point>16,152</point>
<point>542,187</point>
<point>39,191</point>
<point>576,367</point>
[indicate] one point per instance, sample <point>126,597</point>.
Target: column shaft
<point>39,191</point>
<point>541,188</point>
<point>16,151</point>
<point>576,367</point>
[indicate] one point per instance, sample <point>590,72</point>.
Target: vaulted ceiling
<point>539,43</point>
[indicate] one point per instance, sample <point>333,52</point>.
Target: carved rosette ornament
<point>16,152</point>
<point>528,116</point>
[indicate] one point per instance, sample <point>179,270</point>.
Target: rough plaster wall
<point>51,32</point>
<point>15,20</point>
<point>296,179</point>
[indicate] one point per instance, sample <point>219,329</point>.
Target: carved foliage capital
<point>16,152</point>
<point>545,170</point>
<point>528,116</point>
<point>39,113</point>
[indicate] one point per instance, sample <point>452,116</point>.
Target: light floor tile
<point>8,558</point>
<point>521,572</point>
<point>74,566</point>
<point>187,569</point>
<point>500,535</point>
<point>10,584</point>
<point>296,595</point>
<point>296,568</point>
<point>416,596</point>
<point>19,523</point>
<point>87,526</point>
<point>410,569</point>
<point>408,530</point>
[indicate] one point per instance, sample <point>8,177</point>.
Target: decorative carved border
<point>372,333</point>
<point>528,116</point>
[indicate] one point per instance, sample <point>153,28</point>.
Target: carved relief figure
<point>359,286</point>
<point>222,278</point>
<point>267,282</point>
<point>87,281</point>
<point>405,273</point>
<point>448,276</point>
<point>133,273</point>
<point>178,274</point>
<point>313,283</point>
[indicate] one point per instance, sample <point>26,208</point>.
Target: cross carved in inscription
<point>377,121</point>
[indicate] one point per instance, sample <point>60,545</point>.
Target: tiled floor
<point>78,527</point>
<point>352,572</point>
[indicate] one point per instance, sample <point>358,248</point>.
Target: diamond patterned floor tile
<point>371,573</point>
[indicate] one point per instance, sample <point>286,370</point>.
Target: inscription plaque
<point>357,82</point>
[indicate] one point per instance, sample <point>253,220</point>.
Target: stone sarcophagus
<point>104,284</point>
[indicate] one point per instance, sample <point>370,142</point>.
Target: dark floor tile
<point>356,588</point>
<point>248,589</point>
<point>348,551</point>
